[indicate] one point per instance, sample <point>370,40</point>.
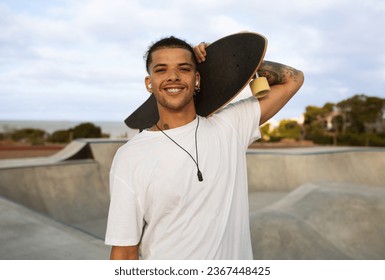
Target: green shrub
<point>60,136</point>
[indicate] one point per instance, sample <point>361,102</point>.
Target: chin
<point>178,106</point>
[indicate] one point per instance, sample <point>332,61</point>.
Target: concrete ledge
<point>286,169</point>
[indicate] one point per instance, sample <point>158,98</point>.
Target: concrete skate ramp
<point>322,221</point>
<point>71,186</point>
<point>286,169</point>
<point>78,149</point>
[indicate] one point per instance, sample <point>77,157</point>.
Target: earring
<point>197,88</point>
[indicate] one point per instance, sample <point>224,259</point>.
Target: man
<point>179,188</point>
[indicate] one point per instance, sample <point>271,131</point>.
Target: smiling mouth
<point>173,90</point>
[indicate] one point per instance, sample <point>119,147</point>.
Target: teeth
<point>173,89</point>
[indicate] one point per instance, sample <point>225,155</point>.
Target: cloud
<point>88,54</point>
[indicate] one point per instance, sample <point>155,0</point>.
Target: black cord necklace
<point>199,173</point>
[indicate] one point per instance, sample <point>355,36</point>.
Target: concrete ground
<point>27,235</point>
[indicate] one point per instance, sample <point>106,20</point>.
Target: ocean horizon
<point>116,130</point>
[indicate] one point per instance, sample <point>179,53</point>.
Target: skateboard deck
<point>231,64</point>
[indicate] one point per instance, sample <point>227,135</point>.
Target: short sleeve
<point>125,217</point>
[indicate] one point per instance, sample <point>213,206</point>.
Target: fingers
<point>200,52</point>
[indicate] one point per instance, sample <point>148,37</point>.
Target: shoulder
<point>133,157</point>
<point>250,103</point>
<point>241,110</point>
<point>136,145</point>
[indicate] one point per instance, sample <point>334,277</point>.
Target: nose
<point>173,76</point>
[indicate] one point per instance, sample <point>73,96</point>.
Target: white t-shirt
<point>157,200</point>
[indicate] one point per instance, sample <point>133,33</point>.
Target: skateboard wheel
<point>259,87</point>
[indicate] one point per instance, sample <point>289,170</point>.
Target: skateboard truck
<point>259,86</point>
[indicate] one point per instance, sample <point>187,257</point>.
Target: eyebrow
<point>180,64</point>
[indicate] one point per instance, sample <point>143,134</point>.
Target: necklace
<point>199,173</point>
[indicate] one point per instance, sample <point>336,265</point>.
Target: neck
<point>175,119</point>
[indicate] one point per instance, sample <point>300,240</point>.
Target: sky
<point>82,60</point>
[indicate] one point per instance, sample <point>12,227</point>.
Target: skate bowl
<point>325,197</point>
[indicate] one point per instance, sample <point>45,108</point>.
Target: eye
<point>185,69</point>
<point>159,70</point>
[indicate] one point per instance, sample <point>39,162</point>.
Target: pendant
<point>200,177</point>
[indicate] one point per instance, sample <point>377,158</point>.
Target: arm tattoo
<point>277,73</point>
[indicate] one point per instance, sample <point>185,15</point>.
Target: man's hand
<point>200,52</point>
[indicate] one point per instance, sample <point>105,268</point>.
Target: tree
<point>315,123</point>
<point>358,121</point>
<point>361,112</point>
<point>30,135</point>
<point>87,130</point>
<point>60,136</point>
<point>265,132</point>
<point>288,129</point>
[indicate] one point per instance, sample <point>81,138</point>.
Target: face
<point>173,78</point>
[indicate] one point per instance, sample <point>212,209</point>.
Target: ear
<point>147,82</point>
<point>197,79</point>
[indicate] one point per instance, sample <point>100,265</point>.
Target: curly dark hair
<point>169,42</point>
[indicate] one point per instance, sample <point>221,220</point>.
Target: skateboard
<point>231,64</point>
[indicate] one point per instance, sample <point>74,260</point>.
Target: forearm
<point>284,82</point>
<point>124,253</point>
<point>277,73</point>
